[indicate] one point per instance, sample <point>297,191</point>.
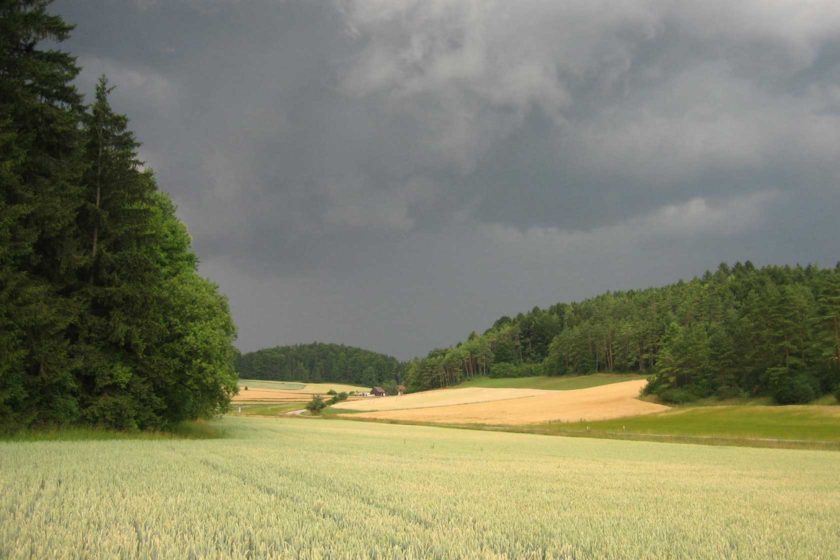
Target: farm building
<point>377,392</point>
<point>400,389</point>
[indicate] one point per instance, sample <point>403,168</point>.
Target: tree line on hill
<point>103,317</point>
<point>738,331</point>
<point>319,362</point>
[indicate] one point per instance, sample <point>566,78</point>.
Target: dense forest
<point>738,331</point>
<point>103,317</point>
<point>317,362</point>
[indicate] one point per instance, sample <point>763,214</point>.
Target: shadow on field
<point>194,430</point>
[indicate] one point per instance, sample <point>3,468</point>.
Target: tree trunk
<point>98,202</point>
<point>837,340</point>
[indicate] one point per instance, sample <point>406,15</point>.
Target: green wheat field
<point>295,488</point>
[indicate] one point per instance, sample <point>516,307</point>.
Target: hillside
<point>737,332</point>
<point>550,383</point>
<point>507,407</point>
<point>319,362</point>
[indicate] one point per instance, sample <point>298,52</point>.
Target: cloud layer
<point>396,173</point>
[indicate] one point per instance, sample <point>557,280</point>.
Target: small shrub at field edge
<point>338,398</point>
<point>678,396</point>
<point>332,392</point>
<point>316,405</point>
<point>791,388</point>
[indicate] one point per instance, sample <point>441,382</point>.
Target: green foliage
<point>103,318</point>
<point>503,369</point>
<point>40,195</point>
<point>339,397</point>
<point>755,425</point>
<point>719,335</point>
<point>550,383</point>
<point>316,405</point>
<point>319,363</point>
<point>676,395</point>
<point>788,388</point>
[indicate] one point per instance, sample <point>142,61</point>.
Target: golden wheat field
<point>438,397</point>
<point>281,391</point>
<point>269,396</point>
<point>512,406</point>
<point>286,488</point>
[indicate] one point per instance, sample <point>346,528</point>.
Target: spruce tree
<point>103,316</point>
<point>39,198</point>
<point>119,272</point>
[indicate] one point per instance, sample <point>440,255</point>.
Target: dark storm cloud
<point>395,174</point>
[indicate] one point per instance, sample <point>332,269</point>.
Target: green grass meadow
<point>287,488</point>
<point>805,424</point>
<point>551,383</point>
<point>247,409</point>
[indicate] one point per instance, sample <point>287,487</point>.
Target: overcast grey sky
<point>393,174</point>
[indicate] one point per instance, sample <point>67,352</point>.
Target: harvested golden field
<point>270,395</point>
<point>282,391</point>
<point>596,403</point>
<point>439,397</point>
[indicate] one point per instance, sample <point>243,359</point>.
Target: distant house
<point>377,392</point>
<point>400,389</point>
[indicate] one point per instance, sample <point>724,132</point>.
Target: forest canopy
<point>319,362</point>
<point>738,331</point>
<point>103,317</point>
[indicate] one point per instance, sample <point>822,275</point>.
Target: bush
<point>338,398</point>
<point>837,393</point>
<point>792,388</point>
<point>676,395</point>
<point>730,392</point>
<point>828,377</point>
<point>316,405</point>
<point>504,369</point>
<point>332,392</point>
<point>654,385</point>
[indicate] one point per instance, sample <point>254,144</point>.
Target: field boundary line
<point>766,443</point>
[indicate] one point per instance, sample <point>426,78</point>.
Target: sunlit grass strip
<point>798,423</point>
<point>551,383</point>
<point>337,489</point>
<point>198,429</point>
<point>266,409</point>
<point>792,427</point>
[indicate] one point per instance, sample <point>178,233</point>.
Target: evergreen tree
<point>738,330</point>
<point>39,199</point>
<point>320,362</point>
<point>103,317</point>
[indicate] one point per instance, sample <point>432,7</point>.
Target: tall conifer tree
<point>39,199</point>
